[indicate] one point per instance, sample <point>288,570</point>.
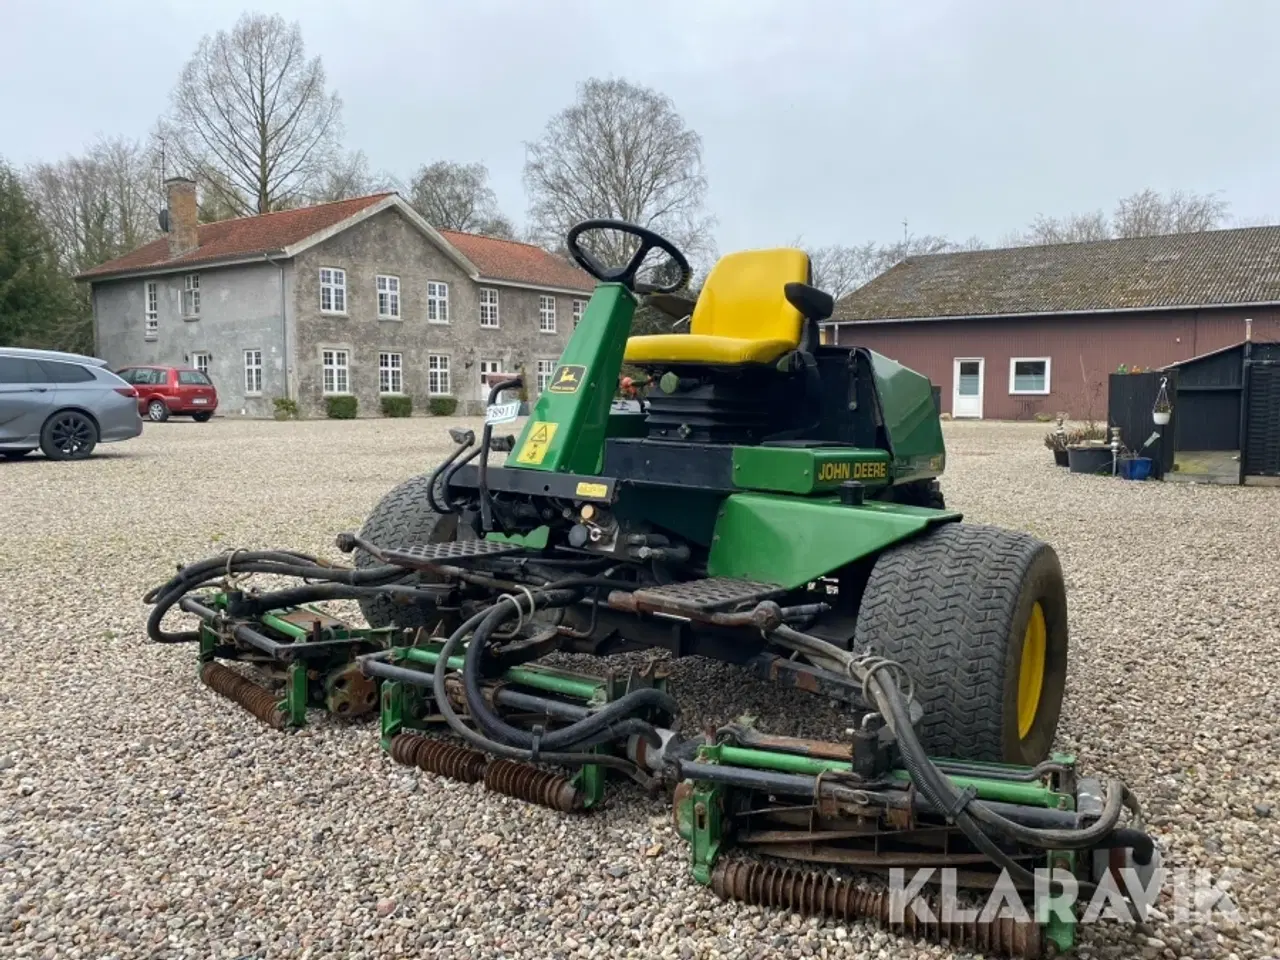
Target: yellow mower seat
<point>742,315</point>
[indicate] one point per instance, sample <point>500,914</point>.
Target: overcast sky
<point>831,120</point>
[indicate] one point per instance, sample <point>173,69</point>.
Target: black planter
<point>1060,458</point>
<point>1089,459</point>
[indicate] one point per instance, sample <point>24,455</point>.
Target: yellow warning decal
<point>535,448</point>
<point>597,490</point>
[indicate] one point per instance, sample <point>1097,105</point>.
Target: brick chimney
<point>182,215</point>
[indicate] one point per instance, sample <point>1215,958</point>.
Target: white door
<point>966,400</point>
<point>487,367</point>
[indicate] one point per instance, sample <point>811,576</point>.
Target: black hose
<point>501,749</point>
<point>607,717</point>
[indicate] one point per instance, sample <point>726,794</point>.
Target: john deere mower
<point>768,500</point>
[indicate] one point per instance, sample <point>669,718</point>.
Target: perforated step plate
<point>714,594</point>
<point>423,555</point>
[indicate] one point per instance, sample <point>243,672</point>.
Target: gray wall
<point>239,310</point>
<point>387,244</point>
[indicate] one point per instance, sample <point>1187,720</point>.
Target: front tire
<point>404,518</point>
<point>978,617</point>
<point>68,435</point>
<point>157,411</point>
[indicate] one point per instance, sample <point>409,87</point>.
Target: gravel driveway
<point>142,816</point>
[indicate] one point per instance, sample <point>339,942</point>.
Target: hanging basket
<point>1162,412</point>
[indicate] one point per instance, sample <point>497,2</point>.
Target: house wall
<point>1099,343</point>
<point>387,244</point>
<point>240,309</point>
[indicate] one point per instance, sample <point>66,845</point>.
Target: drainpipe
<point>284,325</point>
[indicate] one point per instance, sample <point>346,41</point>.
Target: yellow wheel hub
<point>1031,674</point>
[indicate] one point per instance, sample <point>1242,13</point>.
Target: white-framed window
<point>336,367</point>
<point>390,373</point>
<point>191,295</point>
<point>252,372</point>
<point>579,306</point>
<point>545,369</point>
<point>388,298</point>
<point>200,360</point>
<point>488,307</point>
<point>437,302</point>
<point>151,300</point>
<point>1029,375</point>
<point>333,290</point>
<point>547,314</point>
<point>438,375</point>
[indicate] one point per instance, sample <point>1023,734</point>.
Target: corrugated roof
<point>1213,268</point>
<point>240,237</point>
<point>518,262</point>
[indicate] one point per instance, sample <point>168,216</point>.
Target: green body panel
<point>534,540</point>
<point>1006,791</point>
<point>910,420</point>
<point>792,541</point>
<point>580,417</point>
<point>807,470</point>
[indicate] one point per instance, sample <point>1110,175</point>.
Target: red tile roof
<point>518,262</point>
<point>241,237</point>
<point>504,260</point>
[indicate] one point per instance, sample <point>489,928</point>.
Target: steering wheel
<point>626,275</point>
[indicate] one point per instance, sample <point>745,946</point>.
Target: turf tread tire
<point>951,606</point>
<point>404,518</point>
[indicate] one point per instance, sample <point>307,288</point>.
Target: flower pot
<point>1060,458</point>
<point>1089,458</point>
<point>1161,416</point>
<point>1135,468</point>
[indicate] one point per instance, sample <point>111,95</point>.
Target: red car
<point>172,391</point>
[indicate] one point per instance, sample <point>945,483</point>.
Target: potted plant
<point>1057,441</point>
<point>1087,449</point>
<point>1162,412</point>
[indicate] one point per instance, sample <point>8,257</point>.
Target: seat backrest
<point>745,296</point>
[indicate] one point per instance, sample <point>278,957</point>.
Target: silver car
<point>62,403</point>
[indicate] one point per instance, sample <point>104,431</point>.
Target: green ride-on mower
<point>770,501</point>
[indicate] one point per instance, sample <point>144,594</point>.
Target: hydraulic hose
<point>482,742</point>
<point>968,813</point>
<point>612,717</point>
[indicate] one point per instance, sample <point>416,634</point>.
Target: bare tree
<point>1147,214</point>
<point>251,118</point>
<point>348,176</point>
<point>839,270</point>
<point>98,205</point>
<point>620,151</point>
<point>1143,214</point>
<point>457,196</point>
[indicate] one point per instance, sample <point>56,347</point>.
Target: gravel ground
<point>142,816</point>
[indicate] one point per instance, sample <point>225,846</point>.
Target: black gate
<point>1261,452</point>
<point>1131,397</point>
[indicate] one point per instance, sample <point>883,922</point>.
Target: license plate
<point>199,400</point>
<point>502,412</point>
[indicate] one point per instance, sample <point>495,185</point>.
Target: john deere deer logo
<point>567,378</point>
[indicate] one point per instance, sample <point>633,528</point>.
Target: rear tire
<point>157,411</point>
<point>957,608</point>
<point>201,417</point>
<point>404,518</point>
<point>68,435</point>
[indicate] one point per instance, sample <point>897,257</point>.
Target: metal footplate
<point>713,595</point>
<point>432,554</point>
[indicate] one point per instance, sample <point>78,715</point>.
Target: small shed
<point>1226,415</point>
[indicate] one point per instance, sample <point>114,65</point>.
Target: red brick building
<point>1011,333</point>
